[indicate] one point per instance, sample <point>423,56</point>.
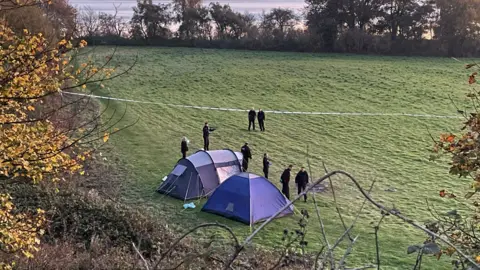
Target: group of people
<point>252,115</point>
<point>260,116</point>
<point>301,179</point>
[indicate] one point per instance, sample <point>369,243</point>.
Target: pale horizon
<point>250,6</point>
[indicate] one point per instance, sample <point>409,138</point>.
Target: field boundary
<point>267,111</point>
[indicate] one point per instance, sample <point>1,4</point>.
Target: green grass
<point>393,151</point>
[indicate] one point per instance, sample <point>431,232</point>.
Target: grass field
<point>393,151</point>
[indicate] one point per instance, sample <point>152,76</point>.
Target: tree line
<point>401,27</point>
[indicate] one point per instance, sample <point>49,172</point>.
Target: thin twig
<point>141,257</point>
<point>324,234</point>
<point>320,220</point>
<point>377,245</point>
<point>355,220</point>
<point>317,257</point>
<point>347,252</point>
<point>418,262</point>
<point>362,268</point>
<point>463,113</point>
<point>335,200</point>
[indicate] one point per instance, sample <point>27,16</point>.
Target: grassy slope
<point>391,150</point>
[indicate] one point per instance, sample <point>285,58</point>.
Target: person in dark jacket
<point>247,154</point>
<point>261,119</point>
<point>266,165</point>
<point>206,134</point>
<point>184,147</point>
<point>285,179</point>
<point>251,119</point>
<point>302,180</point>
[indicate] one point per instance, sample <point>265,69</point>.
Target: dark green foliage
<point>394,27</point>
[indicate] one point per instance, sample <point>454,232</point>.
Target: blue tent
<point>248,198</point>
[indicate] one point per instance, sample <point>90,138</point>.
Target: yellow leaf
<point>106,136</point>
<point>30,108</point>
<point>48,168</point>
<point>82,172</point>
<point>84,86</point>
<point>27,254</point>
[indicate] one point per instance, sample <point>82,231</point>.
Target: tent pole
<point>186,194</point>
<point>171,189</point>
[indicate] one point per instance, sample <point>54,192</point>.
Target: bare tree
<point>88,22</point>
<point>111,24</point>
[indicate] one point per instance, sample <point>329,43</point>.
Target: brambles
<point>34,146</point>
<point>463,151</point>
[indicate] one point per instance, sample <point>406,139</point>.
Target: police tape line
<point>266,111</point>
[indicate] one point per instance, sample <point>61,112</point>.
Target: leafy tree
<point>458,21</point>
<point>34,145</point>
<point>221,16</point>
<point>323,21</point>
<point>463,151</point>
<point>359,13</point>
<point>62,15</point>
<point>405,18</point>
<point>54,20</point>
<point>189,13</point>
<point>230,24</point>
<point>151,21</point>
<point>195,23</point>
<point>280,19</point>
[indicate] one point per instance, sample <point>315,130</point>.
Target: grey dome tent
<point>201,173</point>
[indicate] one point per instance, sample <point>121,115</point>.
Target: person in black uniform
<point>184,147</point>
<point>251,119</point>
<point>302,180</point>
<point>261,119</point>
<point>266,165</point>
<point>285,178</point>
<point>247,154</point>
<point>206,134</point>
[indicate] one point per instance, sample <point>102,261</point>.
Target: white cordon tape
<point>268,111</point>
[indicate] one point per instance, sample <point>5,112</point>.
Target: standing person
<point>206,134</point>
<point>261,119</point>
<point>247,154</point>
<point>266,164</point>
<point>285,178</point>
<point>184,147</point>
<point>302,180</point>
<point>251,119</point>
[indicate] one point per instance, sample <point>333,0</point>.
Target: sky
<point>252,6</point>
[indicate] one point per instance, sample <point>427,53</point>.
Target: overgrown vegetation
<point>61,193</point>
<point>462,149</point>
<point>35,143</point>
